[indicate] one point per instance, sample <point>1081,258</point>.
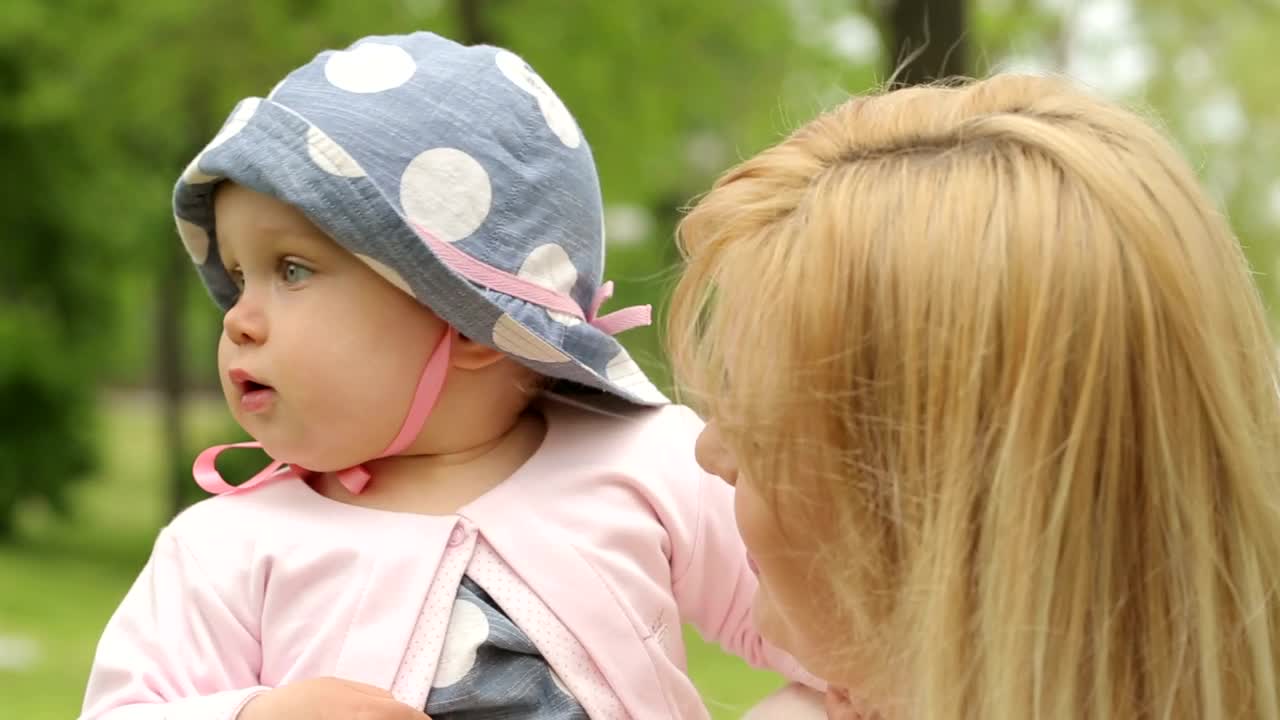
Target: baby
<point>479,504</point>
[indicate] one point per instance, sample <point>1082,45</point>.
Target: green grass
<point>61,582</point>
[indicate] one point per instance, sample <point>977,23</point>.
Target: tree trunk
<point>471,17</point>
<point>928,40</point>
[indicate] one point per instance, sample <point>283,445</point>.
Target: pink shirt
<point>611,531</point>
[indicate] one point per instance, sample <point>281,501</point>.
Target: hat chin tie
<point>504,282</point>
<point>354,478</point>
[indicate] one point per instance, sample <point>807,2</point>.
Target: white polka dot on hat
<point>446,192</point>
<point>553,109</point>
<point>549,266</point>
<point>330,157</point>
<point>370,67</point>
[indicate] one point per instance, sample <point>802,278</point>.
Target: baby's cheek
<point>224,361</point>
<point>224,347</point>
<point>359,411</point>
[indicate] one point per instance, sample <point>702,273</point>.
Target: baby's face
<point>320,355</point>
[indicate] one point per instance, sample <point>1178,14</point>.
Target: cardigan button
<point>457,537</point>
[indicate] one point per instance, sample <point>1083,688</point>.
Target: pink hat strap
<point>425,396</point>
<point>620,320</point>
<point>207,475</point>
<point>355,478</point>
<point>517,287</point>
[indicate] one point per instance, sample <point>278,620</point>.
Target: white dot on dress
<point>553,110</point>
<point>468,629</point>
<point>550,267</point>
<point>511,337</point>
<point>555,678</point>
<point>446,192</point>
<point>330,156</point>
<point>369,68</point>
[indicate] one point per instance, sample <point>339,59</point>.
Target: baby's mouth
<point>255,395</point>
<point>249,386</point>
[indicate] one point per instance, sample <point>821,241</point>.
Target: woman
<point>999,399</point>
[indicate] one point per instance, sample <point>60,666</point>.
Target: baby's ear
<point>470,355</point>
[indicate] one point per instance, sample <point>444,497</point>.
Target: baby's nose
<point>245,323</point>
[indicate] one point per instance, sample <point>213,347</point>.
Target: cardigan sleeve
<point>713,581</point>
<point>716,589</point>
<point>174,647</point>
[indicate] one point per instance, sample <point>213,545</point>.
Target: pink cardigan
<point>611,524</point>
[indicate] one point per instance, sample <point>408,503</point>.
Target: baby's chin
<point>307,456</point>
<point>321,464</point>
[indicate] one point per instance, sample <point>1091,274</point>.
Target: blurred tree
<point>1201,67</point>
<point>1193,65</point>
<point>52,280</point>
<point>668,92</point>
<point>928,39</point>
<point>197,60</point>
<point>660,125</point>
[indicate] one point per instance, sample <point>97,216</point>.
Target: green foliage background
<point>103,102</point>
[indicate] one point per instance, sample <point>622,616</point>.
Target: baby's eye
<point>292,272</point>
<point>237,277</point>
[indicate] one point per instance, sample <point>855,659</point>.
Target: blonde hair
<point>1005,371</point>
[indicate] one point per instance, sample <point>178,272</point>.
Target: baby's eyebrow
<point>282,239</point>
<point>276,230</point>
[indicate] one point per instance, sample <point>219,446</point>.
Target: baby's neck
<point>443,483</point>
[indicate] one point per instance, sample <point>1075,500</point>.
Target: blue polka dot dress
<point>489,668</point>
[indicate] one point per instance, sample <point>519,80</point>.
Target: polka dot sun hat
<point>454,172</point>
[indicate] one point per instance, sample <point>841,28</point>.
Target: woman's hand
<point>328,699</point>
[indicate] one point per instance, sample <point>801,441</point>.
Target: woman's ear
<point>468,354</point>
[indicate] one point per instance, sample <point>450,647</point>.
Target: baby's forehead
<point>248,221</point>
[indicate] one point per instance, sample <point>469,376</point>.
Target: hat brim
<point>269,148</point>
